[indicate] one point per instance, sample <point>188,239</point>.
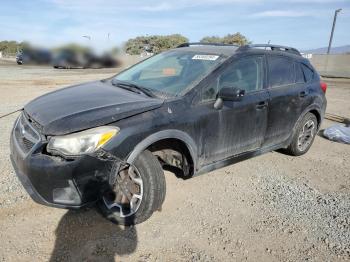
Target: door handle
<point>261,104</point>
<point>303,94</point>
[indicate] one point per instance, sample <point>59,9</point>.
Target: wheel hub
<point>127,192</point>
<point>306,135</point>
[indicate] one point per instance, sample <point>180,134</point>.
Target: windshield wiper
<point>133,88</point>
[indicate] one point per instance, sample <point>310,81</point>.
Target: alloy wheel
<point>306,135</point>
<point>127,192</point>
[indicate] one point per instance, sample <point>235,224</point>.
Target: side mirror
<point>231,94</point>
<point>228,94</point>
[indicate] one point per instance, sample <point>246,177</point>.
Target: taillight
<point>323,86</point>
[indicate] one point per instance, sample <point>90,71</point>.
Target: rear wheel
<point>304,135</point>
<point>139,190</point>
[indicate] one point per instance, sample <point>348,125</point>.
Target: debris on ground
<point>339,133</point>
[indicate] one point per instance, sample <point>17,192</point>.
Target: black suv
<point>190,110</point>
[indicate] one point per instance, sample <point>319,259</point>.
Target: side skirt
<point>238,158</point>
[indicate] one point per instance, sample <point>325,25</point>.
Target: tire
<point>296,147</point>
<point>153,192</point>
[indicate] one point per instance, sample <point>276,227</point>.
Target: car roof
<point>211,49</point>
<point>274,53</point>
<point>229,50</point>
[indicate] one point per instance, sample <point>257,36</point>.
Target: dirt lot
<point>270,208</point>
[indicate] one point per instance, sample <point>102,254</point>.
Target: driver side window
<point>245,74</point>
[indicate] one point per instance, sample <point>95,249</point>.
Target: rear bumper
<point>56,182</point>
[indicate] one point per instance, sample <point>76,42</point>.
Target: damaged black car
<point>190,110</point>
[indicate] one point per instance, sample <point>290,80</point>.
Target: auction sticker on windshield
<point>205,57</point>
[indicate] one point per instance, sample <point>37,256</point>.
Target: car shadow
<point>321,133</point>
<point>84,235</point>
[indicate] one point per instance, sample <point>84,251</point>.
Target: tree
<point>11,47</point>
<point>153,44</point>
<point>236,38</point>
<point>211,39</point>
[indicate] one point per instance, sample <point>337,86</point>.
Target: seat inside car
<point>234,79</point>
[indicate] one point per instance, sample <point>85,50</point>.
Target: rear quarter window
<point>299,74</point>
<point>281,71</point>
<point>308,73</point>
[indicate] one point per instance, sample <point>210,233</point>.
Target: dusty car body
<point>218,119</point>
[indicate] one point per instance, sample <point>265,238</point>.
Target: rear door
<point>287,92</point>
<point>238,126</point>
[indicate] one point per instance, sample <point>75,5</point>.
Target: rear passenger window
<point>308,73</point>
<point>299,75</point>
<point>281,71</point>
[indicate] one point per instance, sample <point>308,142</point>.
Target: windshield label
<point>205,57</point>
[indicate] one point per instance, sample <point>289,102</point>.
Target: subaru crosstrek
<point>190,110</point>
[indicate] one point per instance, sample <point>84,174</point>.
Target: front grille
<point>25,134</point>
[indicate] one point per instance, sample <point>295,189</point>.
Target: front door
<point>238,126</point>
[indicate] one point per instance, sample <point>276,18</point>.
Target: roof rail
<point>274,48</point>
<point>207,44</point>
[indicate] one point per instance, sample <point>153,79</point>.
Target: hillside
<point>335,50</point>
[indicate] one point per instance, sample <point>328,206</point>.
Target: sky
<point>298,23</point>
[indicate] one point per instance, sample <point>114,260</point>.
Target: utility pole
<point>331,37</point>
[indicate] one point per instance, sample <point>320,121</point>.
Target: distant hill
<point>334,50</point>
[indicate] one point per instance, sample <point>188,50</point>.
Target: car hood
<point>85,106</point>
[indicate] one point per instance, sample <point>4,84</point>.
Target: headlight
<point>83,142</point>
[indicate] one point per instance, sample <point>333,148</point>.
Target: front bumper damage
<point>64,183</point>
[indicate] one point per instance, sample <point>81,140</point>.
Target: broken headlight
<point>84,142</point>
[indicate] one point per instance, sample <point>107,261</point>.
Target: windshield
<point>170,73</point>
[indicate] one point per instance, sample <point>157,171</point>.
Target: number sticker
<point>205,57</point>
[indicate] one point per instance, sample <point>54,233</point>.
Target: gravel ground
<point>270,208</point>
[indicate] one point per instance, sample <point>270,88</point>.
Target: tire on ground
<point>154,189</point>
<point>293,148</point>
